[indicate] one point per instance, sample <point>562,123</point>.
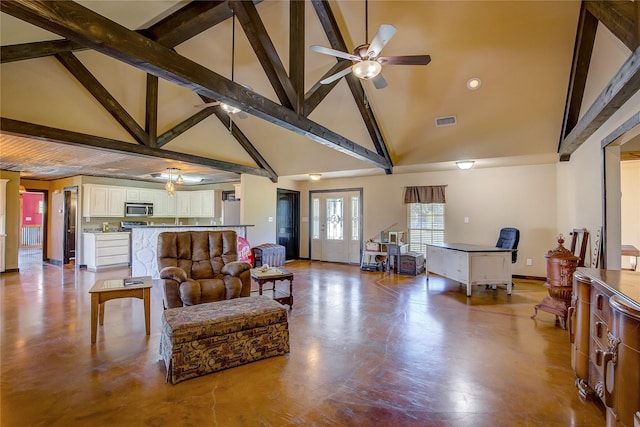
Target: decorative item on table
<point>265,267</point>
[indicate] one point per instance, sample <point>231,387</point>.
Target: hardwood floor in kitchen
<point>367,348</point>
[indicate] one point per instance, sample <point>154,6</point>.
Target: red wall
<point>31,208</point>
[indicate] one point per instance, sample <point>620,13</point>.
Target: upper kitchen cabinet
<point>196,204</point>
<point>103,201</point>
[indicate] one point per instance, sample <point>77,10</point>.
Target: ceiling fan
<point>367,60</point>
<point>229,109</point>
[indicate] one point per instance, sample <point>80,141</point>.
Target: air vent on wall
<point>446,121</point>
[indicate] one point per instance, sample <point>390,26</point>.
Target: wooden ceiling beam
<point>187,22</point>
<point>620,17</point>
<point>45,133</point>
<point>619,90</point>
<point>102,95</point>
<point>319,91</point>
<point>296,52</point>
<point>20,52</point>
<point>184,126</point>
<point>151,110</point>
<point>585,39</point>
<point>246,144</point>
<point>265,51</point>
<point>86,27</point>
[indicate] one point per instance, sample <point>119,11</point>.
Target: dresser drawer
<point>113,259</point>
<point>599,329</point>
<point>114,250</point>
<point>600,304</point>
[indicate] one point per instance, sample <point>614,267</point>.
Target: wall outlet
<point>466,220</point>
<point>270,219</point>
<point>529,261</point>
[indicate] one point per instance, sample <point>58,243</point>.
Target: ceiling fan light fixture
<point>465,164</point>
<point>230,109</point>
<point>367,69</point>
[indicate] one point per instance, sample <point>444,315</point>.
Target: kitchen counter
<point>144,244</point>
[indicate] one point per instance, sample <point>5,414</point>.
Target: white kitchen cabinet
<point>103,201</point>
<point>183,203</point>
<point>104,250</point>
<point>133,195</point>
<point>196,204</point>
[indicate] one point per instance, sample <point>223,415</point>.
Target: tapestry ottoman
<point>204,338</point>
<point>270,254</point>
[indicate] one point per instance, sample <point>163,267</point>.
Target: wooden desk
<point>470,264</point>
<point>633,252</point>
<point>104,290</point>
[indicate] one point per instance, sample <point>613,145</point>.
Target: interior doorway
<point>288,222</point>
<point>335,226</point>
<point>621,200</point>
<point>70,218</point>
<point>33,228</point>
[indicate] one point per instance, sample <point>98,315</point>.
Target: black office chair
<point>509,239</point>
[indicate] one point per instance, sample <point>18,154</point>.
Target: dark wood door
<point>288,222</point>
<point>70,206</point>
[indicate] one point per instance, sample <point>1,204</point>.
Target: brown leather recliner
<point>201,266</point>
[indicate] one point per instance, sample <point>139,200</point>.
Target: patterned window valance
<point>425,194</point>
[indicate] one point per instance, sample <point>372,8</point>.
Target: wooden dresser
<point>604,329</point>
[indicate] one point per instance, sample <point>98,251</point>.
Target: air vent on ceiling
<point>446,121</point>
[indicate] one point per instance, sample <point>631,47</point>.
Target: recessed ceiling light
<point>315,176</point>
<point>474,83</point>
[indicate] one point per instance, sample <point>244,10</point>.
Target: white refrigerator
<point>231,212</point>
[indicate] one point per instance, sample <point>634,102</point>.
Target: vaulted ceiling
<point>112,88</point>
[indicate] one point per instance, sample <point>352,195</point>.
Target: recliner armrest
<point>234,268</point>
<point>174,273</point>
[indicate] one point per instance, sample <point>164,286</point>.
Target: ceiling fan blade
<point>333,52</point>
<point>382,37</point>
<point>405,60</point>
<point>379,82</point>
<point>336,76</point>
<point>207,104</point>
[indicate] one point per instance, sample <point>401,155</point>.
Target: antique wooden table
<point>131,287</point>
<point>273,275</point>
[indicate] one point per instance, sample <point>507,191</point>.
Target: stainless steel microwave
<point>138,209</point>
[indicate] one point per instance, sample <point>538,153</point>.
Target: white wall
<point>492,198</point>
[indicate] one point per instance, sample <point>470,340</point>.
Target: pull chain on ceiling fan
<point>366,58</point>
<point>228,108</point>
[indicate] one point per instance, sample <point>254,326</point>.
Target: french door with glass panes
<point>336,226</point>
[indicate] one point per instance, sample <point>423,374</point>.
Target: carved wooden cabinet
<point>604,329</point>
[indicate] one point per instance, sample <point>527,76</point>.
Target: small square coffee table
<point>130,287</point>
<point>272,275</point>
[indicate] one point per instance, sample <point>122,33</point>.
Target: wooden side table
<point>273,275</point>
<point>631,251</point>
<point>131,287</point>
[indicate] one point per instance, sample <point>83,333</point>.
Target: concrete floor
<point>366,349</point>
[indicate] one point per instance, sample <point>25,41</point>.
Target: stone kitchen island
<point>144,244</point>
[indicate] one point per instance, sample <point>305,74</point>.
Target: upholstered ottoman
<point>270,254</point>
<point>204,338</point>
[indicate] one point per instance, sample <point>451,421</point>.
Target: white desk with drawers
<point>470,264</point>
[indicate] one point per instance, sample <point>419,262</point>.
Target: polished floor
<point>367,349</point>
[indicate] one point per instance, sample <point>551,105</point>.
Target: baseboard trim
<point>519,276</point>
